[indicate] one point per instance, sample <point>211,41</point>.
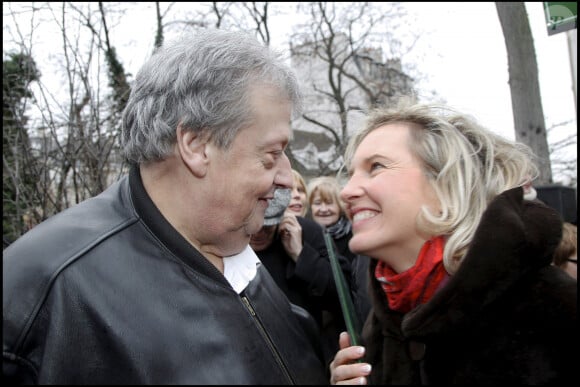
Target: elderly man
<point>153,281</point>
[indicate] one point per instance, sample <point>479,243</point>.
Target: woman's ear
<point>192,150</point>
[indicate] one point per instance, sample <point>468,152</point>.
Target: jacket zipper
<point>248,305</point>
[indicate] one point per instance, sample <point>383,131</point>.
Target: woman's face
<point>298,201</point>
<point>384,195</point>
<point>324,212</point>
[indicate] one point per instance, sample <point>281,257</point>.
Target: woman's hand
<point>344,369</point>
<point>291,235</point>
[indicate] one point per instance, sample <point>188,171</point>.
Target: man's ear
<point>192,150</point>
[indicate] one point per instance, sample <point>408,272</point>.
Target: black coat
<point>107,292</point>
<point>308,282</point>
<point>359,283</point>
<point>507,317</point>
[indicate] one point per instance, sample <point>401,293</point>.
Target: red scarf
<point>418,284</point>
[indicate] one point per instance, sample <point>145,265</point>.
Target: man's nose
<point>284,177</point>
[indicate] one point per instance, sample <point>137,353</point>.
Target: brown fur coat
<point>506,317</point>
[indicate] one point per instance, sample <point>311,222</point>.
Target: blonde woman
<point>298,199</point>
<point>328,210</point>
<point>461,283</point>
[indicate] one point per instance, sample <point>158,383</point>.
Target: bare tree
<point>159,34</point>
<point>529,120</point>
<point>243,16</point>
<point>204,15</point>
<point>344,53</point>
<point>258,12</point>
<point>20,168</point>
<point>74,130</point>
<point>347,60</point>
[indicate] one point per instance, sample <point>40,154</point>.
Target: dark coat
<point>359,284</point>
<point>342,246</point>
<point>507,317</point>
<point>107,292</point>
<point>309,282</point>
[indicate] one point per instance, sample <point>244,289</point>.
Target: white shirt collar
<point>241,268</point>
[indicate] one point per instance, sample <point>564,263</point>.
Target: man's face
<point>242,179</point>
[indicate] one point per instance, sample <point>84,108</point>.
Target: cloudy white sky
<point>463,54</point>
<point>467,62</point>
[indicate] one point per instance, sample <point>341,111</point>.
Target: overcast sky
<point>468,65</point>
<point>463,54</point>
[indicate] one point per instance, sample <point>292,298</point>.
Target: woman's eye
<point>375,166</point>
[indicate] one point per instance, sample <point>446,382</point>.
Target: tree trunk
<point>524,85</point>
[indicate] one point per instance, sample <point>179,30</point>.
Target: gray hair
<point>201,82</point>
<point>466,164</point>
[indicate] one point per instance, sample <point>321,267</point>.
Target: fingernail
<point>366,368</point>
<point>360,350</point>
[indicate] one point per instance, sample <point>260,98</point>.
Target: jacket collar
<point>165,232</point>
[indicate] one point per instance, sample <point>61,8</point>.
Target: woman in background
<point>328,210</point>
<point>298,200</point>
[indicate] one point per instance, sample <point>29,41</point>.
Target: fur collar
<point>514,238</point>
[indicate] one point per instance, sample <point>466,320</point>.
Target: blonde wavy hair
<point>299,180</point>
<point>466,164</point>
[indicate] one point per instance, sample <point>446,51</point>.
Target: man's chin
<point>253,227</point>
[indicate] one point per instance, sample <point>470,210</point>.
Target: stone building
<point>339,84</point>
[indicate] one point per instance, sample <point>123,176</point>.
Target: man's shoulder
<point>34,262</point>
<point>70,233</point>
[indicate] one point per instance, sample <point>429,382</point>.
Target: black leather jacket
<point>107,292</point>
